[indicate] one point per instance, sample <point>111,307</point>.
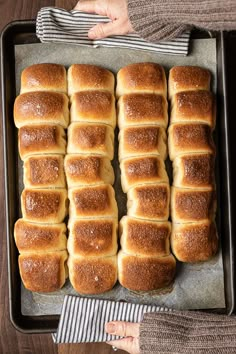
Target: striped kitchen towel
<point>83,319</point>
<point>61,26</point>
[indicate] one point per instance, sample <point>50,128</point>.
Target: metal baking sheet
<point>23,32</point>
<point>196,286</point>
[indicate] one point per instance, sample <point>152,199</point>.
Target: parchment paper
<point>196,286</point>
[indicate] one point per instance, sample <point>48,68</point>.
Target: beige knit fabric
<point>187,333</point>
<point>156,20</point>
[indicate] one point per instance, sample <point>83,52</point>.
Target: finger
<point>127,344</point>
<point>91,6</point>
<point>123,329</point>
<point>103,30</point>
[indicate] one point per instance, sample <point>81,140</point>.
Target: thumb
<point>103,30</point>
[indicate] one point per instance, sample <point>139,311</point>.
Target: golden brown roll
<point>194,171</point>
<point>149,202</point>
<point>41,107</point>
<point>194,242</point>
<point>142,273</point>
<point>95,139</point>
<point>193,106</point>
<point>148,140</point>
<point>43,271</point>
<point>44,205</point>
<point>35,238</point>
<point>93,202</point>
<point>92,238</point>
<point>141,77</point>
<point>41,139</point>
<point>144,238</point>
<point>92,275</point>
<point>142,109</point>
<point>189,138</point>
<point>83,77</point>
<point>188,78</point>
<point>93,107</point>
<point>188,205</point>
<point>44,171</point>
<point>87,169</point>
<point>142,170</point>
<point>44,77</point>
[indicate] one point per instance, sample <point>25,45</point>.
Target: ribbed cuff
<point>187,333</point>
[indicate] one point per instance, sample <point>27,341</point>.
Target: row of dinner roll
<point>144,261</point>
<point>192,151</point>
<point>93,213</point>
<point>41,113</point>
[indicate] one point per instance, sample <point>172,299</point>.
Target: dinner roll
<point>41,139</point>
<point>194,242</point>
<point>142,170</point>
<point>149,202</point>
<point>93,202</point>
<point>92,238</point>
<point>194,171</point>
<point>189,138</point>
<point>144,238</point>
<point>93,107</point>
<point>44,205</point>
<point>91,139</point>
<point>88,169</point>
<point>44,171</point>
<point>141,77</point>
<point>142,109</point>
<point>44,77</point>
<point>188,78</point>
<point>193,106</point>
<point>43,271</point>
<point>142,273</point>
<point>35,238</point>
<point>188,205</point>
<point>41,108</point>
<point>92,275</point>
<point>83,77</point>
<point>148,140</point>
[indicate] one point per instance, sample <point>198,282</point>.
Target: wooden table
<point>12,341</point>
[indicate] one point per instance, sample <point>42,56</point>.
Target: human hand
<point>116,10</point>
<point>124,329</point>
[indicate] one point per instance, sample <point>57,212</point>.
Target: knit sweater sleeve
<point>155,20</point>
<point>187,333</point>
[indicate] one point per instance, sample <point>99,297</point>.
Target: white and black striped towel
<point>83,319</point>
<point>61,26</point>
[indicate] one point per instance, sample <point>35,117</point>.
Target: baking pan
<point>23,32</point>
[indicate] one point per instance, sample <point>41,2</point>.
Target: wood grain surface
<point>12,341</point>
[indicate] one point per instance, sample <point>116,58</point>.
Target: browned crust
<point>42,203</point>
<point>142,139</point>
<point>142,75</point>
<point>194,205</point>
<point>143,168</point>
<point>43,272</point>
<point>189,77</point>
<point>45,169</point>
<point>38,237</point>
<point>91,104</point>
<point>93,275</point>
<point>40,107</point>
<point>93,237</point>
<point>145,237</point>
<point>198,170</point>
<point>89,136</point>
<point>145,273</point>
<point>194,242</point>
<point>44,76</point>
<point>144,106</point>
<point>88,167</point>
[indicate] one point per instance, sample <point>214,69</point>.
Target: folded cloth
<point>60,26</point>
<point>83,319</point>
